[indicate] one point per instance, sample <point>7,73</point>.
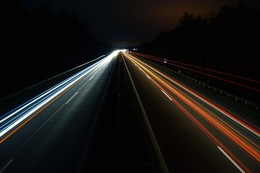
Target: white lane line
<point>82,86</point>
<point>100,69</point>
<point>214,105</point>
<point>51,95</point>
<point>148,76</point>
<point>6,165</point>
<point>72,97</point>
<point>163,167</point>
<point>166,95</point>
<point>49,120</point>
<point>59,85</point>
<point>88,80</point>
<point>238,167</point>
<point>91,77</point>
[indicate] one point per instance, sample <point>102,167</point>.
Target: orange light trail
<point>191,65</point>
<point>234,135</point>
<point>229,115</point>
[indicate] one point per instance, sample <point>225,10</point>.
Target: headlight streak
<point>235,136</point>
<point>88,69</point>
<point>32,107</point>
<point>22,113</point>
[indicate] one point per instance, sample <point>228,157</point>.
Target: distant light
<point>135,49</point>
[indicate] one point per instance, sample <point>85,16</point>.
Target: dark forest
<point>36,45</point>
<point>227,41</point>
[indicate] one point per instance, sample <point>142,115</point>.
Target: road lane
<point>193,134</point>
<point>54,137</point>
<point>155,89</point>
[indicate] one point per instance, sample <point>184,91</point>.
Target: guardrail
<point>206,85</point>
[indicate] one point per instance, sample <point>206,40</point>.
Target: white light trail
<point>16,117</point>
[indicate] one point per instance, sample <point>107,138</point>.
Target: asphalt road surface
<point>52,132</point>
<point>193,129</point>
<point>195,132</point>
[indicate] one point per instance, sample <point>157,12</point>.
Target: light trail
<point>208,102</point>
<point>213,105</point>
<point>201,110</point>
<point>14,120</point>
<point>210,75</point>
<point>225,128</point>
<point>191,65</point>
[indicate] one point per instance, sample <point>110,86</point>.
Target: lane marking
<point>166,95</point>
<point>38,111</point>
<point>238,167</point>
<point>6,165</point>
<point>83,85</point>
<point>158,153</point>
<point>235,136</point>
<point>210,103</point>
<point>72,97</point>
<point>91,77</point>
<point>88,80</point>
<point>75,76</point>
<point>245,169</point>
<point>148,77</point>
<point>79,78</point>
<point>31,117</point>
<point>47,121</point>
<point>99,69</point>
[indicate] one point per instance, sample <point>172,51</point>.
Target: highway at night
<point>190,128</point>
<point>128,86</point>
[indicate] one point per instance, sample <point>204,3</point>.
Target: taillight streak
<point>221,125</point>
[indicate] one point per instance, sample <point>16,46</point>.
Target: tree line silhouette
<point>226,42</point>
<point>36,45</point>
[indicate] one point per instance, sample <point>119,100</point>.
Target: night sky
<point>130,22</point>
